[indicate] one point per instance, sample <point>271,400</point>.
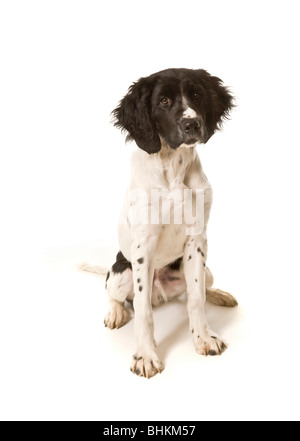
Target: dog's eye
<point>165,101</point>
<point>196,95</point>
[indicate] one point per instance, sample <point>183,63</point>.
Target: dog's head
<point>181,106</point>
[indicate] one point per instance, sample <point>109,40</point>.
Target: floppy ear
<point>133,115</point>
<point>219,103</point>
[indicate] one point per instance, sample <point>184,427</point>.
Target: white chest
<point>169,198</point>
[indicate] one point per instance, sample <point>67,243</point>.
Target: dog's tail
<point>101,270</point>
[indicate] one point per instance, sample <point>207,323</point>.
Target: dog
<point>167,114</point>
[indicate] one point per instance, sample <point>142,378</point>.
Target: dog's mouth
<point>186,138</point>
<point>192,141</point>
<point>186,142</point>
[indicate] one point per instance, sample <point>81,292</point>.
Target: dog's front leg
<point>205,340</point>
<point>145,360</point>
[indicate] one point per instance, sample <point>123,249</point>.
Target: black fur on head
<point>181,106</point>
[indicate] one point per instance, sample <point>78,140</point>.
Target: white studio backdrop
<point>64,168</point>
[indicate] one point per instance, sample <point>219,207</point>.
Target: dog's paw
<point>146,366</point>
<point>211,345</point>
<point>117,315</point>
<point>220,298</point>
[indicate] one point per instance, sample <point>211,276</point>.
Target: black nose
<point>190,124</point>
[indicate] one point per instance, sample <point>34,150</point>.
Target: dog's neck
<point>176,163</point>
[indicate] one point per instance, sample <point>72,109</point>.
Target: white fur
<point>159,245</point>
<point>188,112</point>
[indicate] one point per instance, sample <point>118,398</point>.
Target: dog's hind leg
<point>119,286</point>
<point>116,316</point>
<point>217,296</point>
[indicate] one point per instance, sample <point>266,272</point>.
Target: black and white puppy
<point>167,114</point>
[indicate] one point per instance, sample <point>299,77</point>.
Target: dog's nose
<point>190,124</point>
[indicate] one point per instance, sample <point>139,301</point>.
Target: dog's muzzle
<point>191,130</point>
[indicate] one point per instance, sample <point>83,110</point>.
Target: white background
<point>64,67</point>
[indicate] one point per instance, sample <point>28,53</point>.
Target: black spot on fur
<point>121,264</point>
<point>141,260</point>
<point>215,338</point>
<point>175,266</point>
<point>192,331</point>
<point>138,246</point>
<point>140,288</point>
<point>172,279</point>
<point>200,251</point>
<point>180,160</point>
<point>107,276</point>
<point>196,280</point>
<point>204,264</point>
<point>189,257</point>
<point>138,280</point>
